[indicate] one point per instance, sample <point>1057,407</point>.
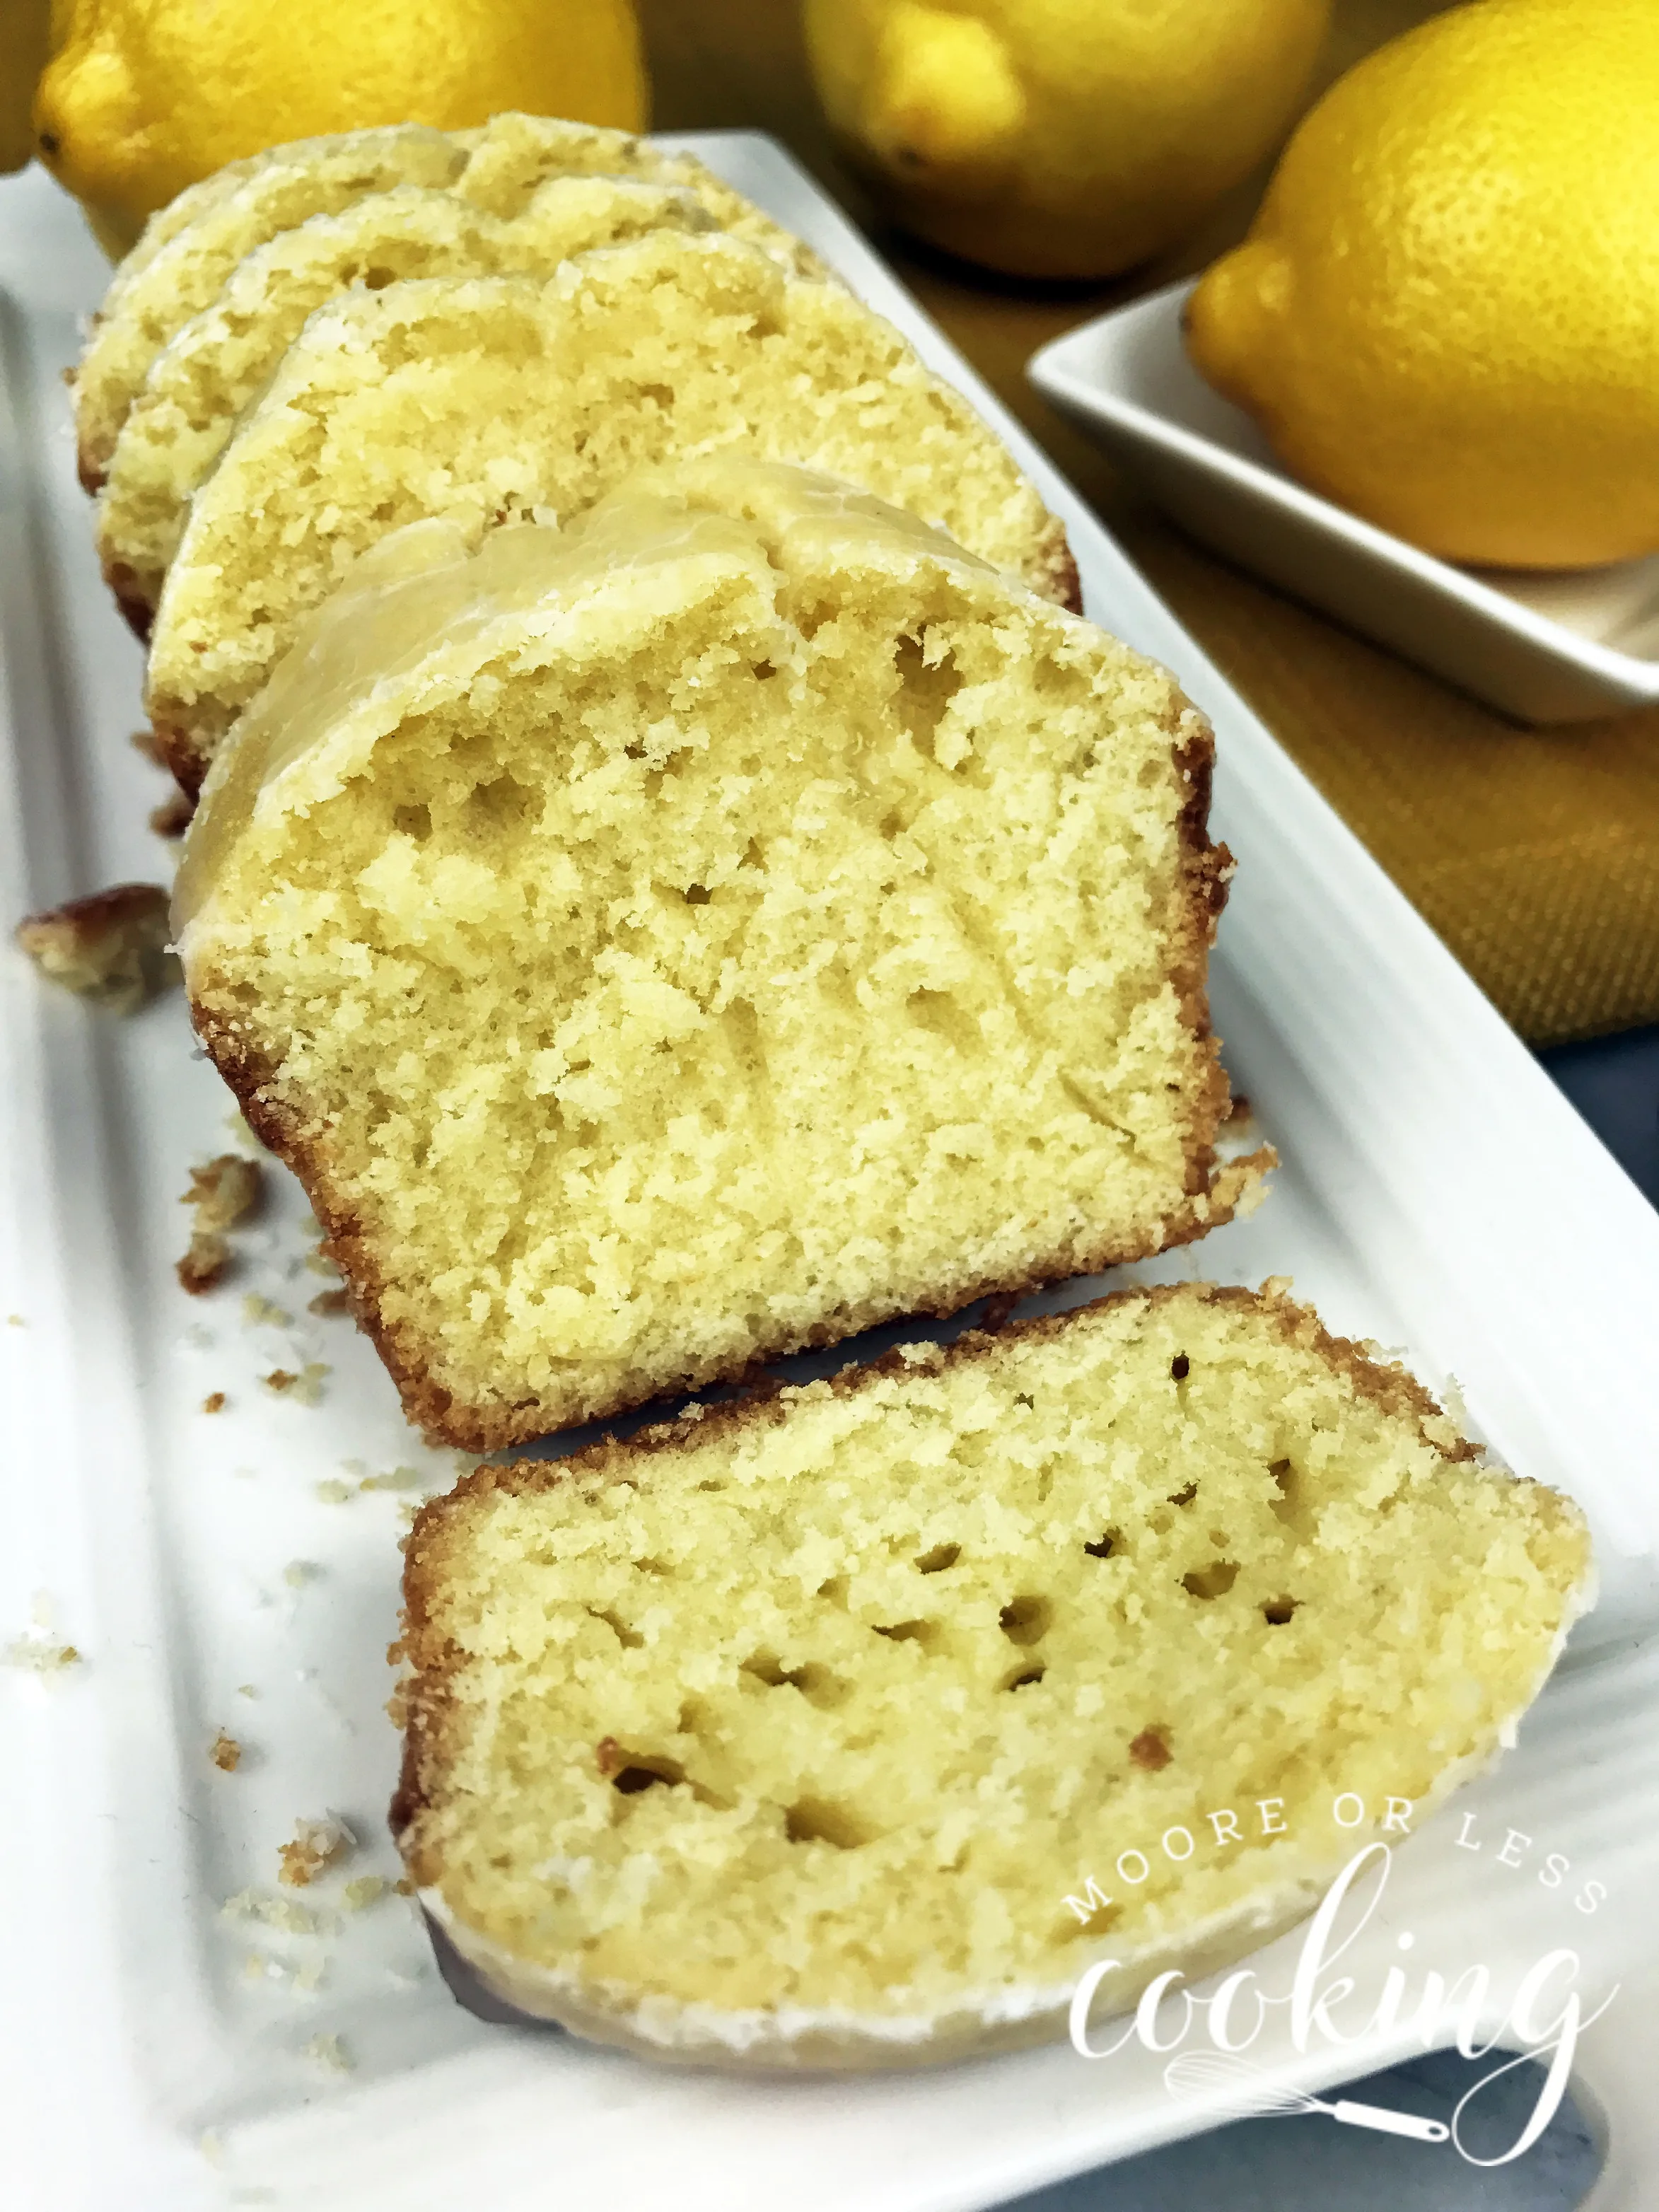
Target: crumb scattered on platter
<point>285,1914</point>
<point>39,1655</point>
<point>111,947</point>
<point>305,1389</point>
<point>316,1844</point>
<point>224,1192</point>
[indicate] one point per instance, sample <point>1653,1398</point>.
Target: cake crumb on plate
<point>316,1844</point>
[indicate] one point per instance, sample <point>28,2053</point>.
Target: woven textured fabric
<point>1533,853</point>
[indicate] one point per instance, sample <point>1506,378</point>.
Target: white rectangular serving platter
<point>1437,1194</point>
<point>1544,646</point>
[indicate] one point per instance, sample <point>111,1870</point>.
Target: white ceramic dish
<point>1440,1194</point>
<point>1543,647</point>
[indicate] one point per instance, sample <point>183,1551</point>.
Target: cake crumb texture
<point>819,1709</point>
<point>733,922</point>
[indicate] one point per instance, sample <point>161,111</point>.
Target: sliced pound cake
<point>221,362</point>
<point>734,922</point>
<point>190,248</point>
<point>850,1727</point>
<point>484,399</point>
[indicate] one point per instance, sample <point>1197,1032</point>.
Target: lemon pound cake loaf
<point>191,247</point>
<point>713,930</point>
<point>483,400</point>
<point>850,1727</point>
<point>218,363</point>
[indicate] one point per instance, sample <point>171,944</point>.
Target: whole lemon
<point>144,97</point>
<point>1446,315</point>
<point>1059,137</point>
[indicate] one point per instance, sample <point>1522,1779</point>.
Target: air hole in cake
<point>1184,1497</point>
<point>659,395</point>
<point>1150,1750</point>
<point>924,1632</point>
<point>765,1668</point>
<point>711,1486</point>
<point>696,895</point>
<point>1024,1675</point>
<point>1292,1506</point>
<point>754,854</point>
<point>1180,1367</point>
<point>618,1628</point>
<point>502,799</point>
<point>820,1686</point>
<point>1278,1610</point>
<point>1213,1581</point>
<point>1026,1619</point>
<point>942,1014</point>
<point>815,1820</point>
<point>414,821</point>
<point>834,1589</point>
<point>1025,1398</point>
<point>925,692</point>
<point>1107,1545</point>
<point>936,1561</point>
<point>640,1773</point>
<point>763,671</point>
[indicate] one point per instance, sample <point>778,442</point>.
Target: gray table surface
<point>1306,2165</point>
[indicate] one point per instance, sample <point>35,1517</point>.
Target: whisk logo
<point>1205,2038</point>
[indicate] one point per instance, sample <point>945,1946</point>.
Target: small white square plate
<point>1544,647</point>
<point>1437,1192</point>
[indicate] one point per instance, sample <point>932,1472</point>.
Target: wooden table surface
<point>1534,852</point>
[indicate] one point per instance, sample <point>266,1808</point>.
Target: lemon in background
<point>1446,315</point>
<point>143,97</point>
<point>1059,137</point>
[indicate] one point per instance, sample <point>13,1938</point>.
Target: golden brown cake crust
<point>424,1698</point>
<point>1213,1196</point>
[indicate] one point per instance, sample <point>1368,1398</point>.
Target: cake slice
<point>736,920</point>
<point>852,1726</point>
<point>482,399</point>
<point>221,362</point>
<point>189,250</point>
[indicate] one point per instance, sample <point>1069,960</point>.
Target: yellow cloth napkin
<point>1534,852</point>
